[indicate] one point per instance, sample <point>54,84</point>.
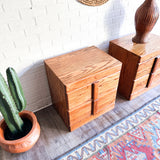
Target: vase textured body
<point>145,18</point>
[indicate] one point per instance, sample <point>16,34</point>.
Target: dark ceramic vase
<point>145,18</point>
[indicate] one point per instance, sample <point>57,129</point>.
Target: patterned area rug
<point>137,137</point>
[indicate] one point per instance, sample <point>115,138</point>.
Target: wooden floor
<point>55,139</point>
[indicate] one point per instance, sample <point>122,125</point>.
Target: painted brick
<point>33,30</point>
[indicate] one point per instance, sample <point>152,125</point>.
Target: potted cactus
<point>19,130</point>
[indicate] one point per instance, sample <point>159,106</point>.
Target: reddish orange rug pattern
<point>140,143</point>
<point>137,137</point>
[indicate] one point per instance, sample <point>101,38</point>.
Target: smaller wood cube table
<point>83,84</point>
<point>140,64</point>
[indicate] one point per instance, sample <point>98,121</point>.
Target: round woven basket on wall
<point>93,2</point>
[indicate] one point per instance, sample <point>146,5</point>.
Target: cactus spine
<point>12,101</point>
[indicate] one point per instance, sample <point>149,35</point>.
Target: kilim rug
<point>137,137</point>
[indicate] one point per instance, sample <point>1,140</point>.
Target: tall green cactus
<point>12,101</point>
<point>16,89</point>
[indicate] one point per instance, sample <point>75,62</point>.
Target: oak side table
<point>140,64</point>
<point>83,84</point>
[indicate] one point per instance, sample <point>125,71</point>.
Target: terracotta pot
<point>25,143</point>
<point>145,18</point>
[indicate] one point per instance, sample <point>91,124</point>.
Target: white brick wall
<point>33,30</point>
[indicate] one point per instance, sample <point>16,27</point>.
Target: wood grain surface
<point>79,96</point>
<point>144,68</point>
<point>55,139</point>
<point>77,82</point>
<point>154,71</point>
<point>82,64</point>
<point>137,64</point>
<point>143,51</point>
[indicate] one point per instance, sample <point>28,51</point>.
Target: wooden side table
<point>83,84</point>
<point>140,64</point>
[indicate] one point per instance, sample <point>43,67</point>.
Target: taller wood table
<point>83,84</point>
<point>140,64</point>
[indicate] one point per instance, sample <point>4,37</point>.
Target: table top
<point>80,64</point>
<point>144,51</point>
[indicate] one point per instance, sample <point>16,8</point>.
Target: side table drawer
<point>155,79</point>
<point>80,113</point>
<point>108,84</point>
<point>140,83</point>
<point>105,101</point>
<point>144,68</point>
<point>104,92</point>
<point>79,97</point>
<point>148,75</point>
<point>83,95</point>
<point>154,74</point>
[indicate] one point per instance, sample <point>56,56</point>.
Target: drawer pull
<point>94,96</point>
<point>154,68</point>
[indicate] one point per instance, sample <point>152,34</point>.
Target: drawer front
<point>144,68</point>
<point>108,84</point>
<point>104,92</point>
<point>151,67</point>
<point>105,101</point>
<point>153,77</point>
<point>140,83</point>
<point>99,94</point>
<point>79,97</point>
<point>80,113</point>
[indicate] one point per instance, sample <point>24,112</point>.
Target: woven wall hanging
<point>93,2</point>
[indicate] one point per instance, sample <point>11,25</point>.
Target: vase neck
<point>150,1</point>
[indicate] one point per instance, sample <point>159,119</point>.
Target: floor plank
<point>55,139</point>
